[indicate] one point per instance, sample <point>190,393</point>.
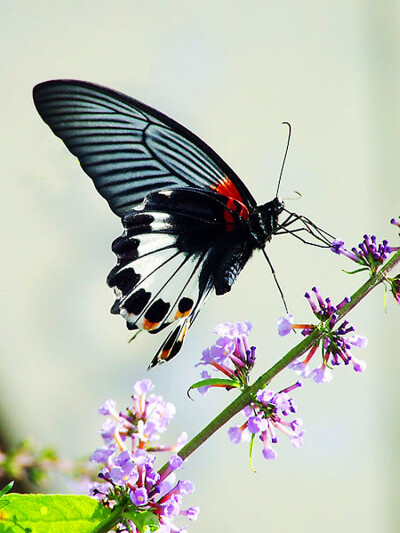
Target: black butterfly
<point>190,223</point>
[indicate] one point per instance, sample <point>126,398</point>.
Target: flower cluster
<point>129,477</point>
<point>231,355</point>
<point>267,412</point>
<point>266,416</point>
<point>335,344</point>
<point>370,255</point>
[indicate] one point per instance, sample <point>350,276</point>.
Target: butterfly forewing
<point>128,148</point>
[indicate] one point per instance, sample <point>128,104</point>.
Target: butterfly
<point>190,223</point>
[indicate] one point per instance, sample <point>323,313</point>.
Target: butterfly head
<point>264,222</point>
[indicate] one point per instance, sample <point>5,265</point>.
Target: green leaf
<point>215,382</point>
<point>6,489</point>
<point>251,452</point>
<point>143,520</point>
<point>38,513</point>
<point>356,271</point>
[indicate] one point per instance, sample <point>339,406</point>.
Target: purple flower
<point>323,374</point>
<point>297,440</point>
<point>233,330</point>
<point>108,429</point>
<point>185,487</point>
<point>123,458</point>
<point>192,513</point>
<point>141,457</point>
<point>122,469</point>
<point>207,357</point>
<point>301,368</point>
<point>256,423</point>
<point>121,476</point>
<point>128,470</point>
<point>358,364</point>
<point>269,453</point>
<point>203,390</point>
<point>139,496</point>
<point>267,415</point>
<point>369,254</point>
<point>231,355</point>
<point>143,386</point>
<point>285,325</point>
<point>337,246</point>
<point>108,408</point>
<point>282,401</point>
<point>175,462</point>
<point>102,454</point>
<point>336,343</point>
<point>96,491</point>
<point>264,396</point>
<point>359,341</point>
<point>172,507</point>
<point>235,434</point>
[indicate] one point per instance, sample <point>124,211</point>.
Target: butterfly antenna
<point>284,157</point>
<point>276,280</point>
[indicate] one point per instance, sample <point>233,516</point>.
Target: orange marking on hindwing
<point>164,355</point>
<point>147,325</point>
<point>178,314</point>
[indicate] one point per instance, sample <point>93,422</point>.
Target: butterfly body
<point>190,224</point>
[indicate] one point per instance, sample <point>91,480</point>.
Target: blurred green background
<point>231,72</point>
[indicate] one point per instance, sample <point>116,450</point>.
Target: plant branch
<point>247,396</point>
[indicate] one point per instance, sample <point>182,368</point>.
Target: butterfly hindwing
<point>172,254</point>
<point>128,148</point>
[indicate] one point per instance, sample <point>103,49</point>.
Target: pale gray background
<point>232,72</point>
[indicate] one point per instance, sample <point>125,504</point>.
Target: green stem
<point>246,397</point>
<point>107,525</point>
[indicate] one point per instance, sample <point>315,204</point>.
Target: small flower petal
<point>323,374</point>
<point>139,496</point>
<point>235,434</point>
<point>175,462</point>
<point>285,325</point>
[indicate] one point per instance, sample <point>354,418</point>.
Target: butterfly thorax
<point>263,221</point>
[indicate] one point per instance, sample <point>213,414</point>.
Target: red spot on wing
<point>228,188</point>
<point>235,203</point>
